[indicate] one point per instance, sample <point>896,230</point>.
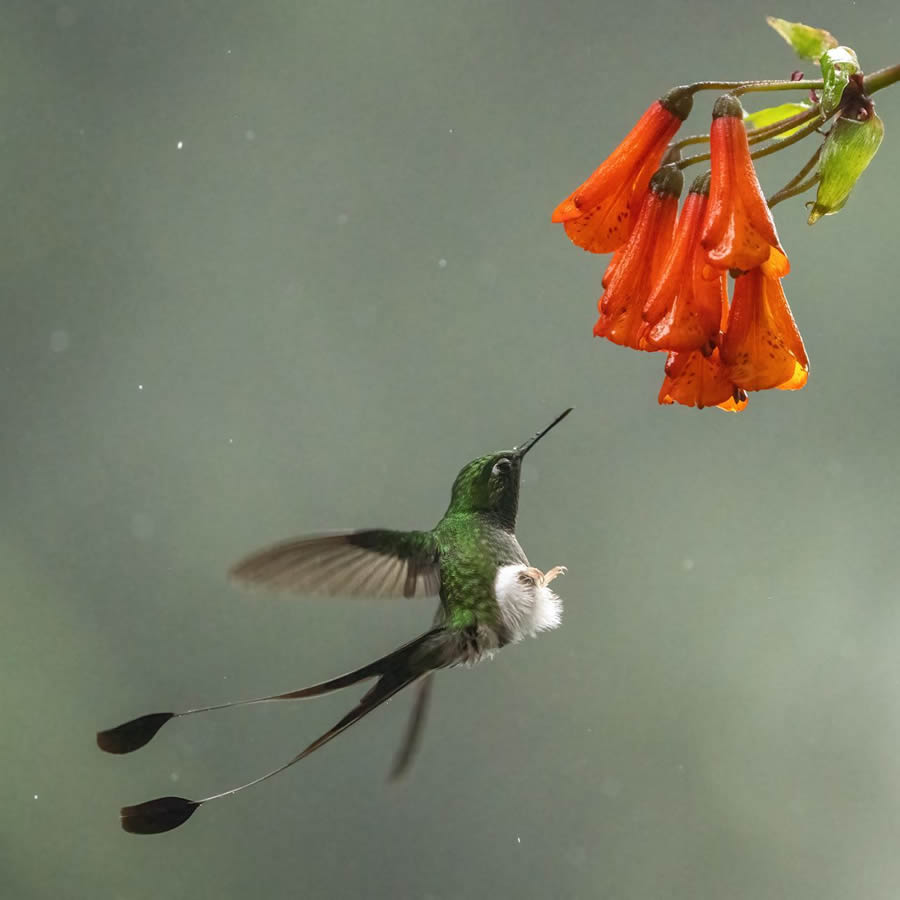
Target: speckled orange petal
<point>693,379</point>
<point>631,280</point>
<point>685,310</point>
<point>739,231</point>
<point>600,214</point>
<point>611,267</point>
<point>606,226</point>
<point>762,347</point>
<point>784,320</point>
<point>695,319</point>
<point>677,262</point>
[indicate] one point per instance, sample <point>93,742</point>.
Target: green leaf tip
<point>849,148</point>
<point>808,42</point>
<point>838,64</point>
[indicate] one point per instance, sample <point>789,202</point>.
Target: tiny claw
<point>554,572</point>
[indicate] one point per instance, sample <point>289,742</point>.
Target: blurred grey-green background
<point>275,267</point>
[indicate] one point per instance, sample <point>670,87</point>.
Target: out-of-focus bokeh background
<point>269,268</point>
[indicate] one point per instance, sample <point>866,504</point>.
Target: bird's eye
<point>501,467</point>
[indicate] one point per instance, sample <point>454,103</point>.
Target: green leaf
<point>838,64</point>
<point>762,118</point>
<point>847,151</point>
<point>808,42</point>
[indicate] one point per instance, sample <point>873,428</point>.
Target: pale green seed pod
<point>847,151</point>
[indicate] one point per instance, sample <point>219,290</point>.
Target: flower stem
<point>789,189</point>
<point>774,147</point>
<point>687,141</point>
<point>755,135</point>
<point>786,192</point>
<point>779,86</point>
<point>743,87</point>
<point>881,79</point>
<point>760,134</point>
<point>875,81</point>
<point>798,135</point>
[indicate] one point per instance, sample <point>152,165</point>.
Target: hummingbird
<point>490,596</point>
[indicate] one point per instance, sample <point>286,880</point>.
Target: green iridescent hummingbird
<point>490,596</point>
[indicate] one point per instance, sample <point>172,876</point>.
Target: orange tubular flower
<point>600,215</point>
<point>632,272</point>
<point>762,347</point>
<point>739,232</point>
<point>693,379</point>
<point>685,309</point>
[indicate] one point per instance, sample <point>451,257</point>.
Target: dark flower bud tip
<point>679,101</point>
<point>672,155</point>
<point>728,106</point>
<point>700,184</point>
<point>667,180</point>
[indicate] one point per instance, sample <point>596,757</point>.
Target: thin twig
<point>786,191</point>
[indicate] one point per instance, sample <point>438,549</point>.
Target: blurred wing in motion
<point>376,563</point>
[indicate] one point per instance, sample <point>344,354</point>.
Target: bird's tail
<point>395,671</point>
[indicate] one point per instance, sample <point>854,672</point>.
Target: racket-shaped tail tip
<point>132,735</point>
<point>157,816</point>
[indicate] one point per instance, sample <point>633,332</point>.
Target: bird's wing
<point>376,562</point>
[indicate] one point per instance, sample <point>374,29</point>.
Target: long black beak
<point>532,441</point>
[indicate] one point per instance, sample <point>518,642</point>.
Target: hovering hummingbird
<point>490,596</point>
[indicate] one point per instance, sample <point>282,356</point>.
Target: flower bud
<point>838,65</point>
<point>847,151</point>
<point>667,180</point>
<point>678,101</point>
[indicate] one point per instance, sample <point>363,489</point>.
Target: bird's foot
<point>554,573</point>
<point>533,575</point>
<point>539,578</point>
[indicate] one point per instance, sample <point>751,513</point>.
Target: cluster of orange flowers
<point>665,287</point>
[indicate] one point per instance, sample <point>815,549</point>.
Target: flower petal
<point>685,310</point>
<point>600,214</point>
<point>762,347</point>
<point>629,279</point>
<point>693,379</point>
<point>739,231</point>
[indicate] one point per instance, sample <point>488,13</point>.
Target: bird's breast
<point>526,605</point>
